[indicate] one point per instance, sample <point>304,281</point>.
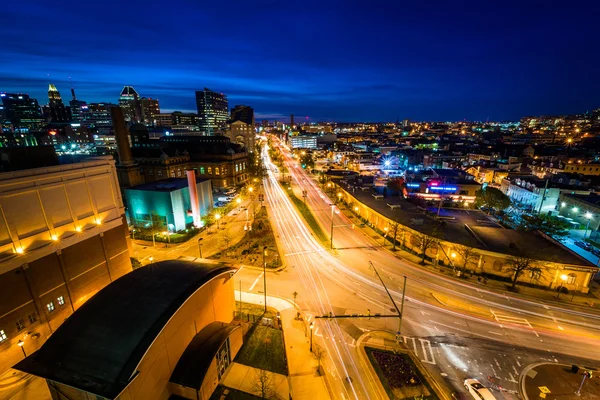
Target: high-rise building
<point>213,111</point>
<point>99,117</point>
<point>138,109</point>
<point>21,111</point>
<point>79,110</point>
<point>243,113</point>
<point>56,110</point>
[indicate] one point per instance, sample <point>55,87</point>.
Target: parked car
<point>477,390</point>
<point>584,245</point>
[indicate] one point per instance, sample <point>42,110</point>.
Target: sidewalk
<point>556,381</point>
<point>304,382</point>
<point>243,378</point>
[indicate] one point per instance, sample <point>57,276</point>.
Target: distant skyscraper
<point>149,108</point>
<point>56,110</point>
<point>243,113</point>
<point>213,110</point>
<point>128,101</point>
<point>21,111</point>
<point>291,121</point>
<point>79,109</point>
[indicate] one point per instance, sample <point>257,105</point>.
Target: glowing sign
<point>52,133</point>
<point>413,185</point>
<point>433,183</point>
<point>445,188</point>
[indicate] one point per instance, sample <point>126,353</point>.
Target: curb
<point>524,373</point>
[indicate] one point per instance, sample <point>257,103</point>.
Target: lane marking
<point>255,282</point>
<point>496,333</point>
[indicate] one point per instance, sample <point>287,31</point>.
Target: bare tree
<point>319,353</point>
<point>226,237</point>
<point>521,263</point>
<point>468,254</point>
<point>425,242</point>
<point>263,384</point>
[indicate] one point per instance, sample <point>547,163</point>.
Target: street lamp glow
<point>564,277</point>
<point>78,229</point>
<point>588,215</point>
<point>20,343</point>
<point>563,204</point>
<point>238,200</point>
<point>453,255</point>
<point>217,216</point>
<point>54,238</point>
<point>19,250</point>
<point>575,209</point>
<point>250,189</point>
<point>356,208</point>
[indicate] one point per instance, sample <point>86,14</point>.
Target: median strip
<point>306,214</point>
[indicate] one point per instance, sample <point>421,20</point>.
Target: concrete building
<point>244,114</point>
<point>213,111</point>
<point>303,142</point>
<point>170,200</point>
<point>63,237</point>
<point>582,209</point>
<point>160,331</point>
<point>242,133</point>
<point>584,169</point>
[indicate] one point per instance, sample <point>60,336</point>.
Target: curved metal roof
<point>98,348</point>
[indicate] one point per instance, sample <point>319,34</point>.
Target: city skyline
<point>328,63</point>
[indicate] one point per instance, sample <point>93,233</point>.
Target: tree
<point>319,353</point>
<point>492,198</point>
<point>307,160</point>
<point>263,384</point>
<point>553,227</point>
<point>520,263</point>
<point>424,243</point>
<point>468,254</point>
<point>135,263</point>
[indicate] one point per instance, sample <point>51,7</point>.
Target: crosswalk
<point>511,320</point>
<point>423,349</point>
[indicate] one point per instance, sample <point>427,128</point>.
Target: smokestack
<point>191,177</point>
<point>122,136</point>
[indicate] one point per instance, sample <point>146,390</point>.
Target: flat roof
<point>166,185</point>
<point>98,348</point>
<point>592,199</point>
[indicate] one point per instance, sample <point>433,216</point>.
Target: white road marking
<point>561,328</point>
<point>496,333</point>
<point>514,369</point>
<point>425,312</point>
<point>317,332</point>
<point>512,378</point>
<point>509,319</point>
<point>518,363</point>
<point>428,360</point>
<point>255,282</point>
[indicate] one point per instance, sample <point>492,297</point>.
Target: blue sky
<point>344,60</point>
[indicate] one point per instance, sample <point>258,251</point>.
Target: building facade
<point>244,114</point>
<point>213,111</point>
<point>21,112</point>
<point>242,133</point>
<point>55,110</point>
<point>63,237</point>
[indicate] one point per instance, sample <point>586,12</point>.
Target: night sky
<point>342,61</point>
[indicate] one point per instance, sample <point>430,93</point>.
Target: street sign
<point>543,395</point>
<point>544,390</point>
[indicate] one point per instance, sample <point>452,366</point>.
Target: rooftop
<point>98,348</point>
<point>166,185</point>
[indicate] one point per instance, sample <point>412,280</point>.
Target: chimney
<point>122,136</point>
<point>191,178</point>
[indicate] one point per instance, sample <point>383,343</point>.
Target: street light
<point>312,325</point>
<point>588,215</point>
<point>200,247</point>
<point>563,279</point>
<point>151,259</point>
<point>575,209</point>
<point>265,275</point>
<point>218,217</point>
<point>385,234</point>
<point>21,343</point>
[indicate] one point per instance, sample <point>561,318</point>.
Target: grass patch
<point>399,375</point>
<point>307,215</point>
<point>255,309</point>
<point>232,394</point>
<point>264,349</point>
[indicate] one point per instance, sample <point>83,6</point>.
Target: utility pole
<point>399,310</point>
<point>543,196</point>
<point>265,275</point>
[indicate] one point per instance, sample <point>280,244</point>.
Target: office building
<point>303,142</point>
<point>213,111</point>
<point>128,101</point>
<point>99,117</point>
<point>64,238</point>
<point>55,111</point>
<point>243,113</point>
<point>21,112</point>
<point>149,108</point>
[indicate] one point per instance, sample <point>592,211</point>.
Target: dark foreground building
<point>161,330</point>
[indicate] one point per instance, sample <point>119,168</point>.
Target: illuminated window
<point>202,170</point>
<point>2,336</point>
<point>61,301</point>
<point>20,324</point>
<point>217,171</point>
<point>236,168</point>
<point>50,306</point>
<point>210,170</point>
<point>159,172</point>
<point>32,318</point>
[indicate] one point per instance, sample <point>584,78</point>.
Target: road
<point>459,331</point>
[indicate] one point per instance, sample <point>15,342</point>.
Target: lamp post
<point>21,343</point>
<point>151,259</point>
<point>312,325</point>
<point>563,279</point>
<point>265,274</point>
<point>133,235</point>
<point>218,217</point>
<point>238,201</point>
<point>200,247</point>
<point>385,235</point>
<point>588,215</point>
